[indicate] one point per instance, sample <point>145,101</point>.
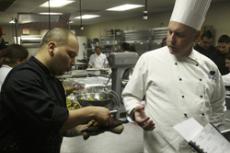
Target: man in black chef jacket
<point>33,113</point>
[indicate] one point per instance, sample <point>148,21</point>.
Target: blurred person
<point>2,41</point>
<point>125,46</point>
<point>163,42</point>
<point>33,112</point>
<point>223,44</point>
<point>226,77</point>
<point>193,86</point>
<point>205,47</point>
<point>10,57</point>
<point>98,59</point>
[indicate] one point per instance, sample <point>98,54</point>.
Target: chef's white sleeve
<point>134,91</point>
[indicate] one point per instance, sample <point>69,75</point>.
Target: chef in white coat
<point>98,59</point>
<point>176,82</point>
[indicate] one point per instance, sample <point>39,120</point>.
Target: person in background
<point>98,59</point>
<point>163,42</point>
<point>205,47</point>
<point>205,44</point>
<point>33,113</point>
<point>13,55</point>
<point>125,47</point>
<point>223,44</point>
<point>2,41</point>
<point>193,86</point>
<point>226,77</point>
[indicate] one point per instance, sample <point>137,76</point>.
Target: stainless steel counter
<point>129,141</point>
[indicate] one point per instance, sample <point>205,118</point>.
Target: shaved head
<point>58,35</point>
<point>58,50</point>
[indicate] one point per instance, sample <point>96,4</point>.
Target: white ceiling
<point>88,6</point>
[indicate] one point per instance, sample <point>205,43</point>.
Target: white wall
<point>219,17</point>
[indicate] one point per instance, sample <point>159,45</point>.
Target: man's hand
<point>101,114</point>
<point>141,119</point>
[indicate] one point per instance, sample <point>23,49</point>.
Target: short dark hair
<point>207,34</point>
<point>125,46</point>
<point>99,47</point>
<point>224,39</point>
<point>13,53</point>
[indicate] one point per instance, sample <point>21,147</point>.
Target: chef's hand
<point>141,119</point>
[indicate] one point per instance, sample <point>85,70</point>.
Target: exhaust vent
<point>5,4</point>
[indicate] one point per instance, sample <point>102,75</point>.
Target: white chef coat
<point>174,90</point>
<point>4,70</point>
<point>226,79</point>
<point>98,61</point>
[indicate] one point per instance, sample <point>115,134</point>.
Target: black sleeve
<point>30,103</point>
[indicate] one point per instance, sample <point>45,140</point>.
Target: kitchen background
<point>159,12</point>
<point>109,30</point>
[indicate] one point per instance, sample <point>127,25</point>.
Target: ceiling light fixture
<point>145,12</point>
<point>49,10</point>
<point>12,21</point>
<point>125,7</point>
<point>87,16</point>
<point>51,13</point>
<point>57,3</point>
<point>81,25</point>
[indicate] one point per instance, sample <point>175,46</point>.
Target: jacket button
<point>185,115</point>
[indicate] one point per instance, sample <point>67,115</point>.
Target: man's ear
<point>51,46</point>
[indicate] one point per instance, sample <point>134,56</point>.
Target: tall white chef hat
<point>190,12</point>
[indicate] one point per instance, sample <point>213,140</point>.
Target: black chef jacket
<point>32,110</point>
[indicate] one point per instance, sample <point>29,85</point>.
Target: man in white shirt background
<point>98,59</point>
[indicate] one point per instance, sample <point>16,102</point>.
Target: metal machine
<point>120,62</point>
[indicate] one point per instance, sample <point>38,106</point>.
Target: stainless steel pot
<point>95,99</point>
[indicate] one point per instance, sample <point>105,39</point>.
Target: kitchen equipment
<point>95,99</point>
<point>106,98</point>
<point>120,62</point>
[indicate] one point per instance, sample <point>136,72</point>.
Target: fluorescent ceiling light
<point>57,3</point>
<point>12,22</point>
<point>88,16</point>
<point>124,7</point>
<point>51,13</point>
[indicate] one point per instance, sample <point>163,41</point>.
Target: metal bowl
<point>95,99</point>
